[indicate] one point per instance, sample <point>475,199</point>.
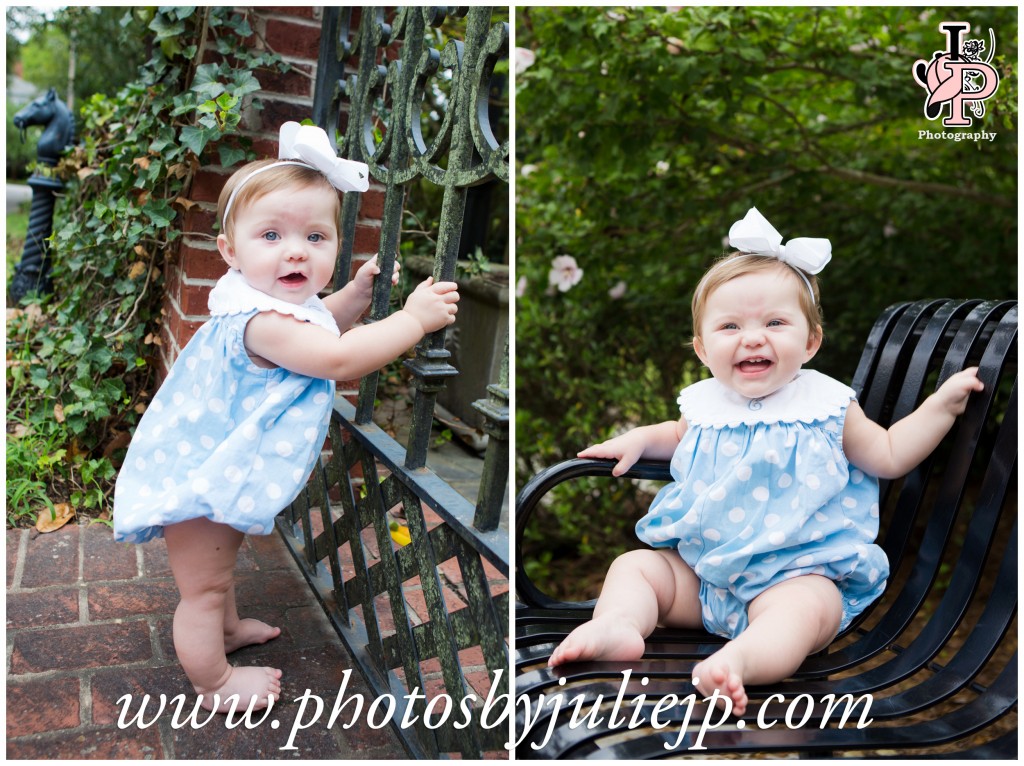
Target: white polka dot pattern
<point>753,504</point>
<point>222,439</point>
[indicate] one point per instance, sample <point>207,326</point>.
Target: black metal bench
<point>937,653</point>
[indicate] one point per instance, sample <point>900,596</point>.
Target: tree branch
<point>922,187</point>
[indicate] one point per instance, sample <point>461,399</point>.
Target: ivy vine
<point>81,363</point>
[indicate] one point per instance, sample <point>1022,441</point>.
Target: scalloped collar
<point>810,398</point>
<point>234,295</point>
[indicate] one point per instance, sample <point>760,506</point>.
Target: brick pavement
<point>89,620</point>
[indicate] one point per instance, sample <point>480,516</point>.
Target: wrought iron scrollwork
<point>393,606</point>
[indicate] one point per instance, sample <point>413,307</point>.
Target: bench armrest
<point>532,494</point>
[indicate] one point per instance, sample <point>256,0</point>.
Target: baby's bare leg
<point>788,622</point>
<point>240,632</point>
<point>202,557</point>
<point>642,589</point>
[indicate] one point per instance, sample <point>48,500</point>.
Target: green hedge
<point>643,133</point>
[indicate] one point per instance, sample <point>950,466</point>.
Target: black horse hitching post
<point>32,274</point>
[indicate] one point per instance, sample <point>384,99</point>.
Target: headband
<point>308,146</point>
<point>755,236</point>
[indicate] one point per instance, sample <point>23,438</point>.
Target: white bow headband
<point>308,146</point>
<point>754,235</point>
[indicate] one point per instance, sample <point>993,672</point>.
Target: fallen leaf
<point>51,521</point>
<point>120,440</point>
<point>137,270</point>
<point>184,203</point>
<point>58,412</point>
<point>76,450</point>
<point>86,172</point>
<point>141,251</point>
<point>142,162</point>
<point>399,533</point>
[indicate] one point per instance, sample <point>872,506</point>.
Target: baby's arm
<point>656,442</point>
<point>889,454</point>
<point>310,350</point>
<point>349,303</point>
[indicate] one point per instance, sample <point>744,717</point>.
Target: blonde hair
<point>733,265</point>
<point>257,187</point>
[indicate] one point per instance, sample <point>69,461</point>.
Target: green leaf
<point>226,101</point>
<point>206,81</point>
<point>159,212</point>
<point>170,47</point>
<point>245,85</point>
<point>195,139</point>
<point>229,155</point>
<point>165,27</point>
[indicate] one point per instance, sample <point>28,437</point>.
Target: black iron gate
<point>372,78</point>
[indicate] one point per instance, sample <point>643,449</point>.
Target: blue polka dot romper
<point>762,492</point>
<point>223,438</point>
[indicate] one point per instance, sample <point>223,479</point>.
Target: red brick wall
<point>293,33</point>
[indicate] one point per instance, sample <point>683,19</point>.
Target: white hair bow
<point>309,146</point>
<point>755,235</point>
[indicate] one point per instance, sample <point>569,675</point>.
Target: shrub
<point>643,133</point>
<point>81,362</point>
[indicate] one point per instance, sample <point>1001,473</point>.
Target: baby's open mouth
<point>293,279</point>
<point>754,365</point>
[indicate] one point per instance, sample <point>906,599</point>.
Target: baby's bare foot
<point>605,638</point>
<point>247,633</point>
<point>723,671</point>
<point>246,682</point>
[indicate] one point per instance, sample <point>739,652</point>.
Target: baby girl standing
<point>233,433</point>
<point>766,533</point>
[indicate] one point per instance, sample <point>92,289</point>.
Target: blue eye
<point>316,237</point>
<point>775,323</point>
<point>271,236</point>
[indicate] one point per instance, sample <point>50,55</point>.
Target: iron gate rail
<point>368,586</point>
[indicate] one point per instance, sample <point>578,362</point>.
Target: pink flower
<point>524,59</point>
<point>565,273</point>
<point>521,287</point>
<point>618,291</point>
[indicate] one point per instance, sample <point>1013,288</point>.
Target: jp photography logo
<point>957,82</point>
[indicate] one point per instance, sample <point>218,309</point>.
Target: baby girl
<point>233,433</point>
<point>766,534</point>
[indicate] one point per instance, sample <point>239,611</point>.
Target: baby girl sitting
<point>766,533</point>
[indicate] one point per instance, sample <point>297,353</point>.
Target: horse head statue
<point>59,130</point>
<point>32,274</point>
